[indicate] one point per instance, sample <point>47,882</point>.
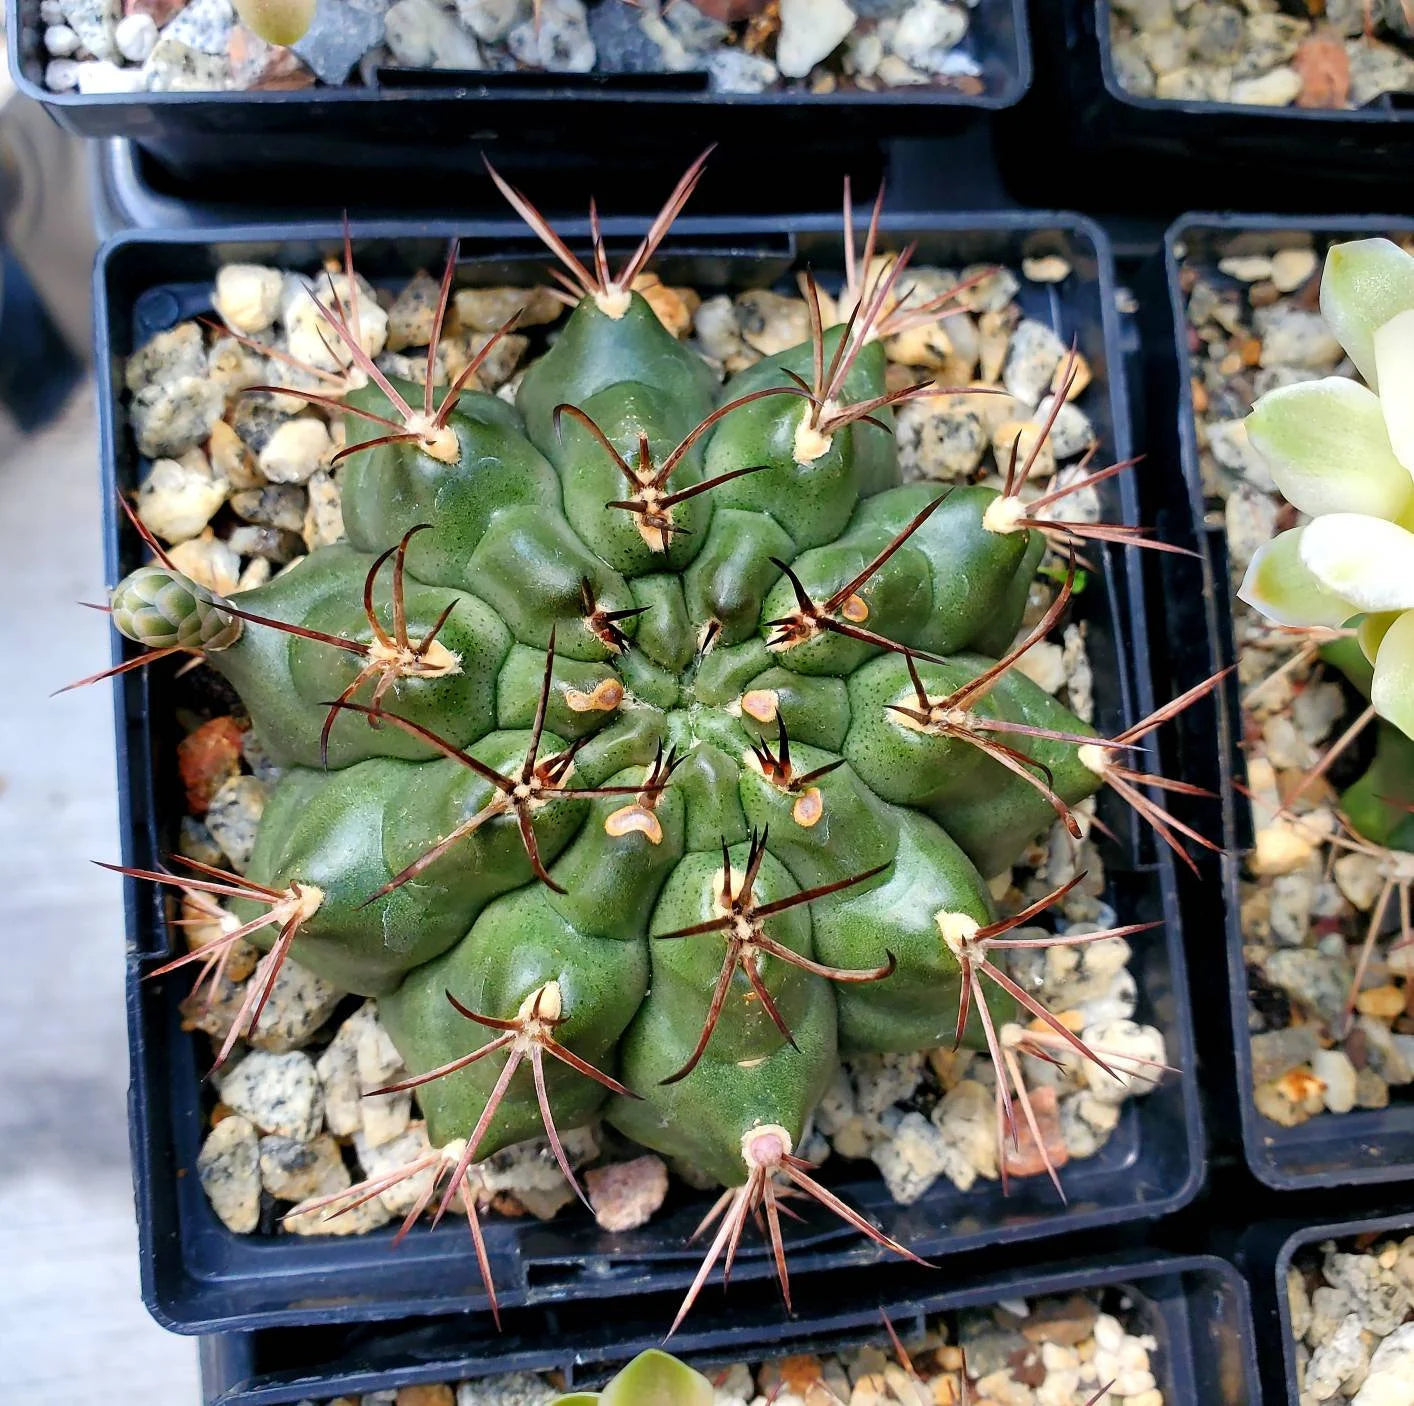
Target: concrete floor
<point>72,1327</point>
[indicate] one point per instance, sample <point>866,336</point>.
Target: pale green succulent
<point>653,1378</point>
<point>1343,453</point>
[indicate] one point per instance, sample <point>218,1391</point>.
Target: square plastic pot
<point>197,1276</point>
<point>1195,1307</point>
<point>1364,1146</point>
<point>1252,145</point>
<point>421,120</point>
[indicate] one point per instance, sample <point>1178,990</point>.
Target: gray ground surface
<point>72,1327</point>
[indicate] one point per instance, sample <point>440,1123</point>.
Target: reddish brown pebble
<point>1024,1158</point>
<point>435,1394</point>
<point>730,11</point>
<point>206,758</point>
<point>160,10</point>
<point>625,1194</point>
<point>1324,69</point>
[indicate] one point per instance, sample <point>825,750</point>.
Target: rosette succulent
<point>1343,454</point>
<point>649,745</point>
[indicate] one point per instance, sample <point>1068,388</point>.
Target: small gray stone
<point>559,43</point>
<point>234,816</point>
<point>324,519</point>
<point>174,67</point>
<point>927,32</point>
<point>736,71</point>
<point>989,1347</point>
<point>913,1157</point>
<point>270,542</point>
<point>621,42</point>
<point>1031,361</point>
<point>1280,1050</point>
<point>296,1171</point>
<point>279,1093</point>
<point>1218,32</point>
<point>228,1167</point>
<point>491,20</point>
<point>168,356</point>
<point>1317,982</point>
<point>278,505</point>
<point>203,25</point>
<point>299,1003</point>
<point>940,438</point>
<point>1335,1360</point>
<point>1391,1378</point>
<point>1279,88</point>
<point>304,1219</point>
<point>95,23</point>
<point>1378,1297</point>
<point>420,35</point>
<point>516,1389</point>
<point>1071,434</point>
<point>1386,1058</point>
<point>882,1080</point>
<point>337,1068</point>
<point>1293,336</point>
<point>337,38</point>
<point>1132,66</point>
<point>255,418</point>
<point>1376,69</point>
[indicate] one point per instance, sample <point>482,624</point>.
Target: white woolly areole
<point>1003,515</point>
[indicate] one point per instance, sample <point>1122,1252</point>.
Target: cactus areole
<point>648,745</point>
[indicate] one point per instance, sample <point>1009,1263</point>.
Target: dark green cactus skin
<point>515,526</point>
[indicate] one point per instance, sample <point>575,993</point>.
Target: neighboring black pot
<point>197,1276</point>
<point>1265,1254</point>
<point>435,120</point>
<point>1331,1149</point>
<point>1215,152</point>
<point>1196,1307</point>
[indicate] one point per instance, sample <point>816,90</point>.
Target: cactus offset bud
<point>163,610</point>
<point>649,802</point>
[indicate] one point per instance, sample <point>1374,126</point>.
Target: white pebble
<point>810,31</point>
<point>60,40</point>
<point>295,450</point>
<point>51,12</point>
<point>61,75</point>
<point>180,496</point>
<point>136,36</point>
<point>279,1093</point>
<point>228,1167</point>
<point>248,296</point>
<point>100,76</point>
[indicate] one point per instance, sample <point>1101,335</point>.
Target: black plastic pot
<point>1196,1307</point>
<point>1329,1150</point>
<point>429,120</point>
<point>1210,151</point>
<point>198,1277</point>
<point>1266,1253</point>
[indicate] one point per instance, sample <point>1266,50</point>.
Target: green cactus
<point>654,729</point>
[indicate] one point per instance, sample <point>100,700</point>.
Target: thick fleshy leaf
<point>1393,690</point>
<point>1326,445</point>
<point>1366,282</point>
<point>1279,584</point>
<point>1364,560</point>
<point>1371,631</point>
<point>1394,364</point>
<point>654,1378</point>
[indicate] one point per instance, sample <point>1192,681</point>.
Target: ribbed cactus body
<point>670,662</point>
